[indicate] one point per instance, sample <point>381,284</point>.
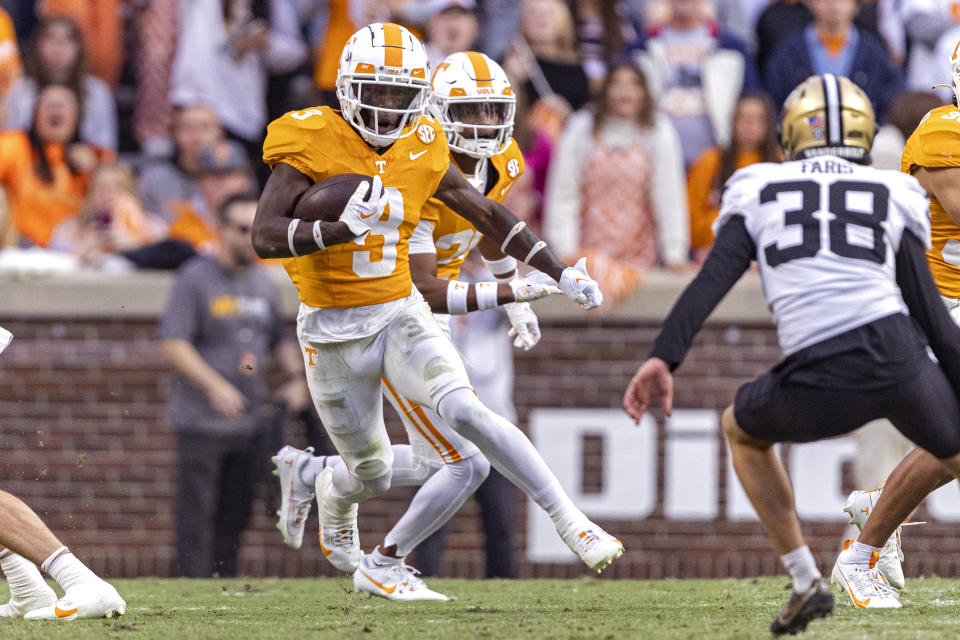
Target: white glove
<point>580,287</point>
<point>527,291</point>
<point>360,212</point>
<point>526,329</point>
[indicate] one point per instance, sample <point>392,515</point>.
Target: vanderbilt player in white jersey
<point>833,239</point>
<point>361,319</point>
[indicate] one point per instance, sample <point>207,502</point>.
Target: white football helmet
<point>382,82</point>
<point>474,102</point>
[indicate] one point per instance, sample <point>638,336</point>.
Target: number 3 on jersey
<point>868,218</point>
<point>387,227</point>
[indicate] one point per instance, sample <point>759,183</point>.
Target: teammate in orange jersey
<point>362,319</point>
<point>25,544</point>
<point>932,155</point>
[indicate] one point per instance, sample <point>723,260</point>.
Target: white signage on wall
<point>691,473</point>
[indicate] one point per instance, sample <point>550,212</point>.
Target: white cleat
<point>596,547</point>
<point>88,600</point>
<point>859,506</point>
<point>296,497</point>
<point>397,582</point>
<point>339,538</point>
<point>864,585</point>
<point>17,606</point>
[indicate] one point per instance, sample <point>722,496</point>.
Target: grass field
<point>236,609</point>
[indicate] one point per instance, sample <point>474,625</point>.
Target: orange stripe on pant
<point>409,413</point>
<point>393,45</point>
<point>446,451</point>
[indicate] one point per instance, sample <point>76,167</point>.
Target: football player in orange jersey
<point>474,102</point>
<point>932,155</point>
<point>361,319</point>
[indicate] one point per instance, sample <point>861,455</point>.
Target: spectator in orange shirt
<point>754,139</point>
<point>57,56</point>
<point>46,170</point>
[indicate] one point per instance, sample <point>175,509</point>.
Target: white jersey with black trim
<point>826,231</point>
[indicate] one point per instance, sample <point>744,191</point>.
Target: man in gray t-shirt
<point>220,325</point>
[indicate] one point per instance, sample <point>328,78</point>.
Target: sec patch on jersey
<point>326,199</point>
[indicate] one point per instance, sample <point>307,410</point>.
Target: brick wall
<point>85,442</point>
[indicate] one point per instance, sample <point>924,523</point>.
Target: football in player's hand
<point>326,199</point>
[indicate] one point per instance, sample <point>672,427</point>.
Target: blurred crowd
<point>128,123</point>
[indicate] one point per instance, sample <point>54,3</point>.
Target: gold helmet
<point>827,115</point>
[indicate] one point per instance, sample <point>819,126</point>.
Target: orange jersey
<point>319,143</point>
<point>936,143</point>
<point>453,236</point>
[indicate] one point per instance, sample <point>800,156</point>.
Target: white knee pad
<point>464,412</point>
<point>473,470</point>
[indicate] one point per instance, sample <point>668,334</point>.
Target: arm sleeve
<point>729,258</point>
<point>926,306</point>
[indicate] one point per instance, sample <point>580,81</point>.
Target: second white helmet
<point>474,102</point>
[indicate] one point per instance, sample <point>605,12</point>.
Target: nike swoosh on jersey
<point>385,589</point>
<point>506,188</point>
<point>414,156</point>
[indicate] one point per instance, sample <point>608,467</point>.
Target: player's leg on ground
<point>459,469</point>
<point>234,507</point>
<point>344,383</point>
<point>427,369</point>
<point>456,469</point>
<point>384,572</point>
<point>918,474</point>
<point>765,481</point>
<point>23,533</point>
